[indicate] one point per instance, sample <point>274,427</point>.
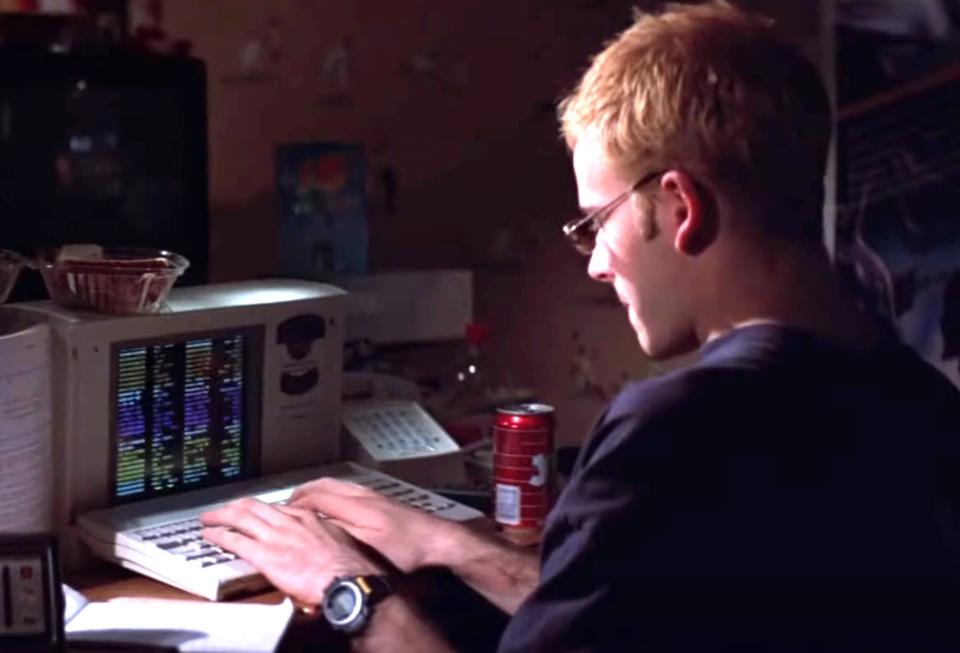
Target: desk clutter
<point>39,614</point>
<point>157,625</point>
<point>118,430</point>
<point>26,448</point>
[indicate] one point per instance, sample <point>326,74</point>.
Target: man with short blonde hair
<point>795,489</point>
<point>716,92</point>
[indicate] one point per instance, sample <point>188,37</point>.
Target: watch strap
<point>377,587</point>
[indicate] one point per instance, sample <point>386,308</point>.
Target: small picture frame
<point>31,597</point>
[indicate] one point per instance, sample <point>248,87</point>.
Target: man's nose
<point>599,266</point>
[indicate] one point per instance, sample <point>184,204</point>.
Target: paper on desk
<point>184,625</point>
<point>73,603</point>
<point>26,473</point>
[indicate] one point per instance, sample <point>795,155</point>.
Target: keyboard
<point>160,538</point>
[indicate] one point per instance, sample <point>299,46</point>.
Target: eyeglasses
<point>582,232</point>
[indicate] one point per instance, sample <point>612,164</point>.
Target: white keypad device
<point>396,429</point>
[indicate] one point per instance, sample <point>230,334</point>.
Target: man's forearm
<point>503,573</point>
<point>397,628</point>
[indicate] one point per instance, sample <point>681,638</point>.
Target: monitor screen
<point>184,412</point>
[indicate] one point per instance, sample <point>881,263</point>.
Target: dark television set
<point>103,148</point>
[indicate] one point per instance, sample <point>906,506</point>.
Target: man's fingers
<point>332,504</point>
<point>307,516</point>
<point>300,513</point>
<point>250,516</point>
<point>329,485</point>
<point>321,526</point>
<point>352,510</point>
<point>234,541</point>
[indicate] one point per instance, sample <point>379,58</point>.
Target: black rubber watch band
<point>378,587</point>
<point>349,600</point>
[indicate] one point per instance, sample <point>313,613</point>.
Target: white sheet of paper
<point>26,472</point>
<point>73,603</point>
<point>186,625</point>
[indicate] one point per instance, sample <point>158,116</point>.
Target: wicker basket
<point>126,281</point>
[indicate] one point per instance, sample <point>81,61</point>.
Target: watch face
<point>342,602</point>
<point>343,605</point>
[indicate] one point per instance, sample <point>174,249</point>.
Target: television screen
<point>105,149</point>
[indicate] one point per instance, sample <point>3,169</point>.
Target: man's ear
<point>692,211</point>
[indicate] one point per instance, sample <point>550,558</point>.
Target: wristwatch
<point>349,600</point>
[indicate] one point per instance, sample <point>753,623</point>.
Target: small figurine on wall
<point>260,54</point>
<point>336,63</point>
<point>146,22</point>
<point>432,66</point>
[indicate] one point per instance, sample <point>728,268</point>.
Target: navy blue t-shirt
<point>782,494</point>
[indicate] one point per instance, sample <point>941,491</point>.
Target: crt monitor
<point>230,382</point>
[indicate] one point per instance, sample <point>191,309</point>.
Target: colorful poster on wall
<point>323,209</point>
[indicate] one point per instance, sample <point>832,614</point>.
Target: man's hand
<point>410,539</point>
<point>407,537</point>
<point>294,549</point>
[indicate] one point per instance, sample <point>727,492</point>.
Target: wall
<point>457,98</point>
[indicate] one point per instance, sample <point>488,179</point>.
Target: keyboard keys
<point>184,539</point>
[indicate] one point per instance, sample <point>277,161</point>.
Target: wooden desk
<point>469,622</point>
<point>466,619</point>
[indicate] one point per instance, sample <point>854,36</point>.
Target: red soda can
<point>523,469</point>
